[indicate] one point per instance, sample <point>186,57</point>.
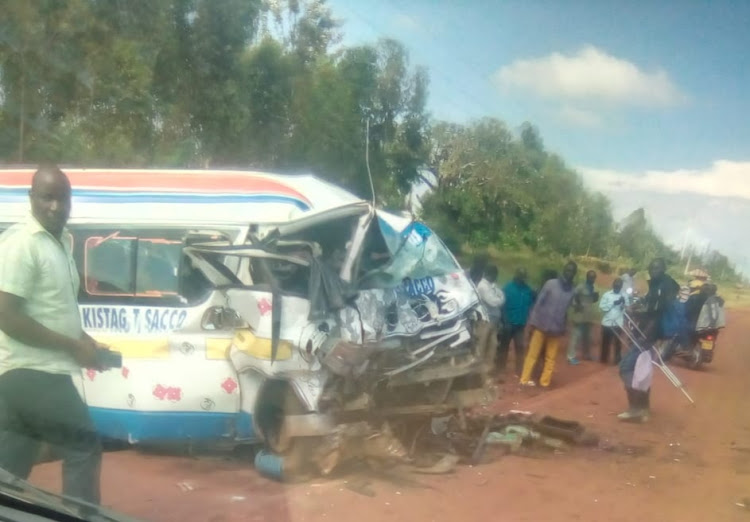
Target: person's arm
<point>501,297</point>
<point>18,273</point>
<point>87,337</point>
<point>19,326</point>
<point>539,300</point>
<point>543,294</point>
<point>607,302</point>
<point>487,294</point>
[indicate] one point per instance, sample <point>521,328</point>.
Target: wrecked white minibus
<point>250,306</point>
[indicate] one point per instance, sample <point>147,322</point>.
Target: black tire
<point>695,359</point>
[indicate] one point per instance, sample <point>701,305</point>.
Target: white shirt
<point>613,313</point>
<point>40,269</point>
<point>492,298</point>
<point>627,284</point>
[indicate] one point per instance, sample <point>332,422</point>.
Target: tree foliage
<point>206,83</point>
<point>497,188</point>
<point>500,188</point>
<point>266,84</point>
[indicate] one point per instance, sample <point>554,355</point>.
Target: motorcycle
<point>706,341</point>
<point>698,350</point>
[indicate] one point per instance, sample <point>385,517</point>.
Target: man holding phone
<point>612,304</point>
<point>42,344</point>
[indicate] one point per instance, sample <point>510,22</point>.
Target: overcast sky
<point>648,100</point>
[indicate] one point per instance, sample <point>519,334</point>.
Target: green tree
<point>264,84</point>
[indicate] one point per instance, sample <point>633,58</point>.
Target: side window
<point>157,267</point>
<point>108,266</point>
<point>141,266</point>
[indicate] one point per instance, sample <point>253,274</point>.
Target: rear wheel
<point>695,358</point>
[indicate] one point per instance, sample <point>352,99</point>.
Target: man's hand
<point>84,352</point>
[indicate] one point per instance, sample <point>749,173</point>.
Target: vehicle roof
<point>176,195</point>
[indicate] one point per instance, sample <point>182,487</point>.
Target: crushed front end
<point>358,319</point>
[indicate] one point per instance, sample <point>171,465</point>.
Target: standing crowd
<point>518,313</point>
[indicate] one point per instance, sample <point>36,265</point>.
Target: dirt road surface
<point>688,463</point>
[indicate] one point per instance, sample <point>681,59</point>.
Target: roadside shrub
<point>604,267</point>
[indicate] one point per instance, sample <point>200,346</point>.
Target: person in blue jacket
<point>519,298</point>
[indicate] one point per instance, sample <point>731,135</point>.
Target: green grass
<point>735,297</point>
<point>508,261</point>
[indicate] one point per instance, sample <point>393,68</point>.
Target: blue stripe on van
<point>99,196</point>
<point>143,426</point>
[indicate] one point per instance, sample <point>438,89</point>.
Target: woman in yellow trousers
<point>548,320</point>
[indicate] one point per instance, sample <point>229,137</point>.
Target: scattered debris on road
<point>432,446</point>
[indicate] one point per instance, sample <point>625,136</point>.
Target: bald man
<point>42,343</point>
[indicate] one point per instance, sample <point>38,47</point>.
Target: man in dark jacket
<point>662,292</point>
<point>661,297</point>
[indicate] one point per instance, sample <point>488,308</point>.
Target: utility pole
<point>684,245</point>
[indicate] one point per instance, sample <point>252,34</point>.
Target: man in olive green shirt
<point>583,318</point>
<point>42,343</point>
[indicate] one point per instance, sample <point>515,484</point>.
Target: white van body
<point>215,287</point>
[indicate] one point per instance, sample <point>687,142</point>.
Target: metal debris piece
<point>476,457</point>
<point>447,464</point>
<point>439,425</point>
<point>512,440</point>
<point>556,444</point>
<point>433,445</point>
